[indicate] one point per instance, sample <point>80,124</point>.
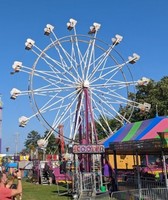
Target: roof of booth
<point>138,131</point>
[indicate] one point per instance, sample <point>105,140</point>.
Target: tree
<point>31,141</point>
<point>156,94</point>
<point>161,94</point>
<point>143,95</point>
<point>24,152</point>
<point>52,147</point>
<point>103,131</point>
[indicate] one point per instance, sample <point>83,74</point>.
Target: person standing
<point>111,185</point>
<point>8,193</point>
<point>48,172</point>
<point>107,171</point>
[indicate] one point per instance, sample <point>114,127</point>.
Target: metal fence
<point>142,194</point>
<point>131,182</point>
<point>87,181</point>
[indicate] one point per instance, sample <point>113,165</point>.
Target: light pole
<point>164,140</point>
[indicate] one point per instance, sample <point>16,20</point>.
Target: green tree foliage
<point>156,94</point>
<point>31,141</point>
<point>144,95</point>
<point>24,152</point>
<point>104,132</point>
<point>34,136</point>
<point>161,94</point>
<point>52,147</point>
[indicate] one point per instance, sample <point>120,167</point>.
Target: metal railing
<point>87,181</point>
<point>131,182</point>
<point>142,194</point>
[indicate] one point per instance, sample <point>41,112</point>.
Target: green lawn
<point>32,191</point>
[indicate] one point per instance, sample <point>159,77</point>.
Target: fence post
<point>138,174</point>
<point>115,167</point>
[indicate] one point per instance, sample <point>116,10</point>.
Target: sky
<point>143,25</point>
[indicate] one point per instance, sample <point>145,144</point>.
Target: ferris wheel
<point>77,80</point>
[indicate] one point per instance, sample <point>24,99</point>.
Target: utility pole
<point>16,143</point>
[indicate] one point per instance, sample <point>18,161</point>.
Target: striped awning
<point>142,130</point>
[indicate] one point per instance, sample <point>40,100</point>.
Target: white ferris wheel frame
<point>78,62</point>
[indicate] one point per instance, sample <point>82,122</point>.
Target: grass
<point>33,191</point>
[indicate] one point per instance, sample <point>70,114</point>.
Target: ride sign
<point>88,148</point>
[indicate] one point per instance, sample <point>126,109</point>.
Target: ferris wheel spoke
<point>112,95</point>
<point>111,92</point>
<point>51,90</point>
<point>50,74</point>
<point>77,46</point>
<point>47,74</point>
<point>85,60</point>
<point>26,71</point>
<point>50,100</point>
<point>103,110</point>
<point>101,59</point>
<point>65,111</point>
<point>53,74</point>
<point>82,59</point>
<point>68,56</point>
<point>113,70</point>
<point>96,64</point>
<point>58,101</point>
<point>43,55</point>
<point>111,78</point>
<point>122,98</point>
<point>78,112</point>
<point>58,74</point>
<point>76,65</point>
<point>65,72</point>
<point>117,116</point>
<point>104,117</point>
<point>49,107</point>
<point>91,57</point>
<point>113,84</point>
<point>64,121</point>
<point>117,65</point>
<point>70,59</point>
<point>68,116</point>
<point>59,109</point>
<point>78,62</point>
<point>100,72</point>
<point>109,106</point>
<point>49,80</point>
<point>62,66</point>
<point>115,99</point>
<point>101,125</point>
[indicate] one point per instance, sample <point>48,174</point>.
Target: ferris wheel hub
<point>83,84</point>
<point>86,84</point>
